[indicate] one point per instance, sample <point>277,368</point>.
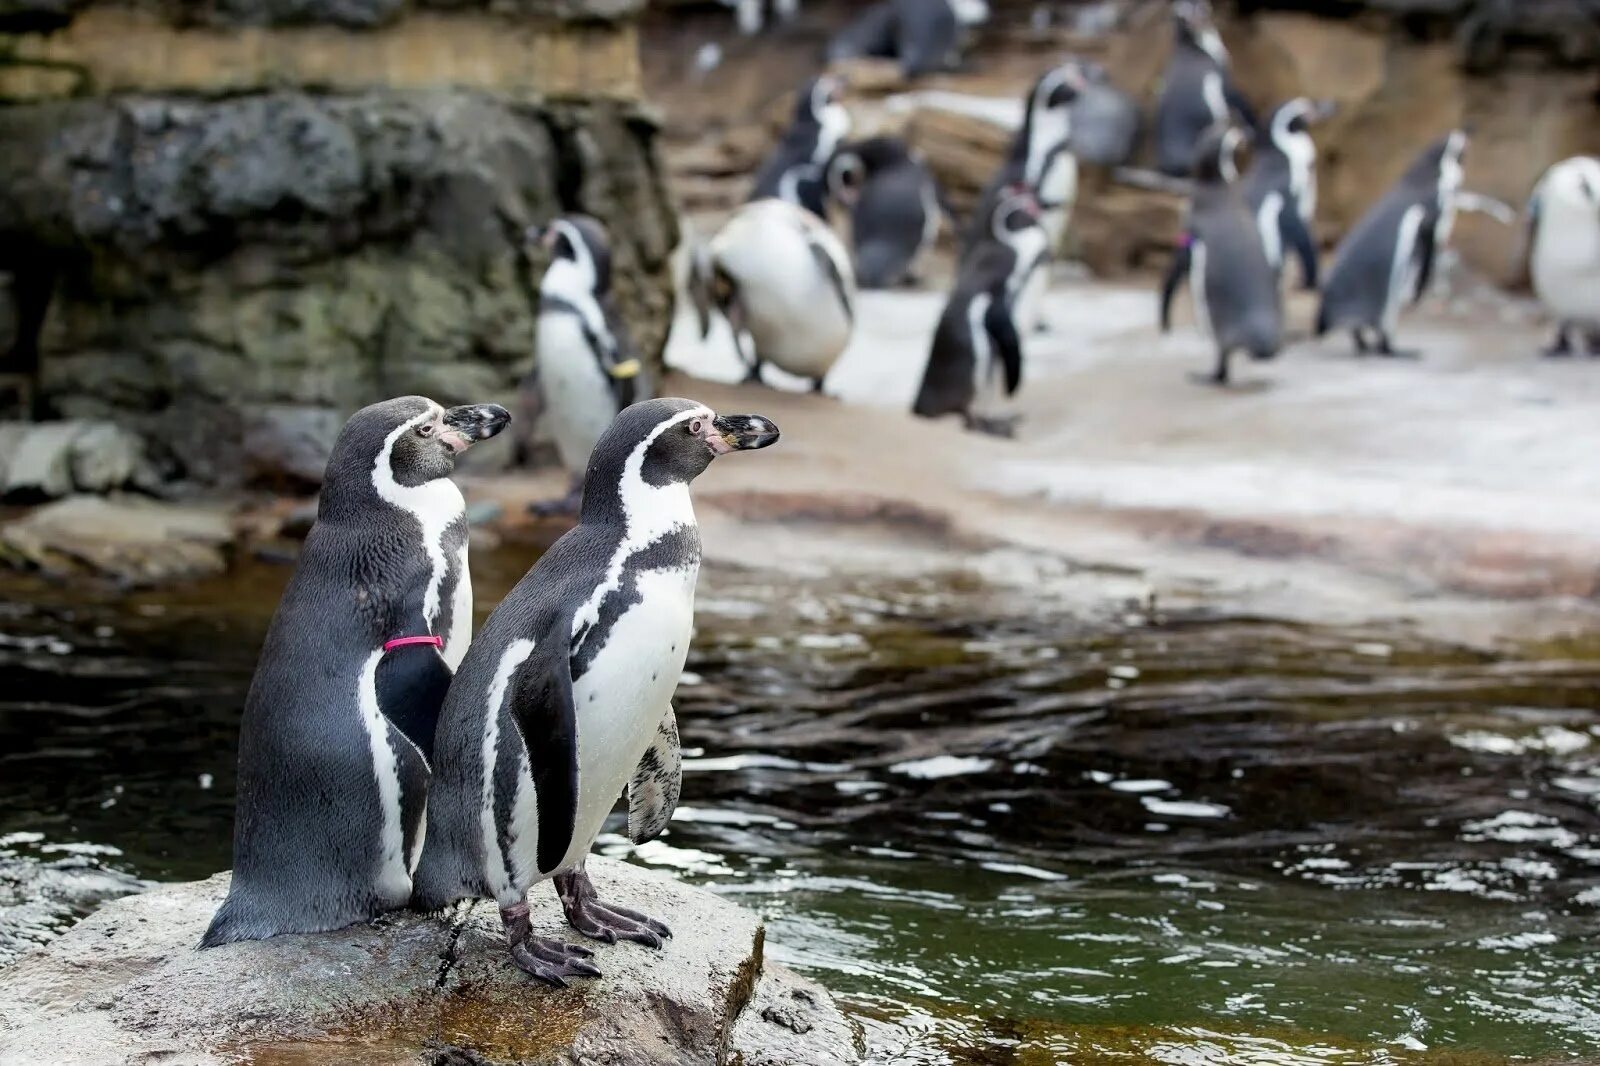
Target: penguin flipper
<point>630,389</point>
<point>1003,332</point>
<point>1176,272</point>
<point>1297,236</point>
<point>830,270</point>
<point>1425,253</point>
<point>542,706</point>
<point>658,779</point>
<point>411,684</point>
<point>1235,100</point>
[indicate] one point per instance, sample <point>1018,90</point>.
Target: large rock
<point>53,459</point>
<point>130,541</point>
<point>127,984</point>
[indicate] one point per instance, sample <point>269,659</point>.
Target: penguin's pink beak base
<point>730,433</point>
<point>467,425</point>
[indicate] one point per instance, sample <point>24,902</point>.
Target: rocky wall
<point>227,225</point>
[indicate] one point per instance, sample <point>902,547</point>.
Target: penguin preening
<point>1235,288</point>
<point>778,274</point>
<point>585,368</point>
<point>894,204</point>
<point>975,364</point>
<point>1040,156</point>
<point>795,170</point>
<point>924,35</point>
<point>566,695</point>
<point>1281,185</point>
<point>339,724</point>
<point>1564,250</point>
<point>1387,258</point>
<point>1197,91</point>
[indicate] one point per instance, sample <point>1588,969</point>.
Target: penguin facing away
<point>1564,250</point>
<point>1197,91</point>
<point>794,171</point>
<point>339,723</point>
<point>586,368</point>
<point>778,274</point>
<point>975,364</point>
<point>1387,258</point>
<point>924,35</point>
<point>1040,156</point>
<point>894,204</point>
<point>1234,287</point>
<point>565,698</point>
<point>1281,185</point>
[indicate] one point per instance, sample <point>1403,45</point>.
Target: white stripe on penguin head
<point>435,504</point>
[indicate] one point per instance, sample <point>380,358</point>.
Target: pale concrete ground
<point>1458,491</point>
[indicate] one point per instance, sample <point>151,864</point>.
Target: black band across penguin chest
<point>678,549</point>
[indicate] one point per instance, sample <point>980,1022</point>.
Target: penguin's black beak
<point>467,425</point>
<point>729,433</point>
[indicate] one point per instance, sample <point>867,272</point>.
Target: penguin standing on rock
<point>1235,288</point>
<point>585,368</point>
<point>1387,258</point>
<point>795,170</point>
<point>339,724</point>
<point>1564,256</point>
<point>924,35</point>
<point>778,274</point>
<point>1281,185</point>
<point>1197,92</point>
<point>894,208</point>
<point>565,698</point>
<point>975,365</point>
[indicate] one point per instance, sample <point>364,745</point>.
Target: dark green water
<point>1003,835</point>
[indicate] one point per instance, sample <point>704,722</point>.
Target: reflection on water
<point>1004,836</point>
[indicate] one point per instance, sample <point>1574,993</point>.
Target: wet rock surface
<point>129,540</point>
<point>128,983</point>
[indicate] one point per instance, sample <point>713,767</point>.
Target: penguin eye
<point>696,426</point>
<point>425,430</point>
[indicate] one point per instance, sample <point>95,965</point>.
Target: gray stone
<point>288,446</point>
<point>52,459</point>
<point>131,541</point>
<point>127,984</point>
<point>106,457</point>
<point>40,462</point>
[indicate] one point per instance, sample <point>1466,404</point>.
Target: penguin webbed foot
<point>550,961</point>
<point>602,921</point>
<point>1561,345</point>
<point>1004,426</point>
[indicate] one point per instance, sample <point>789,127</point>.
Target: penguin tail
<point>226,926</point>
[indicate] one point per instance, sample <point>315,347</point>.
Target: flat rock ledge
<point>127,985</point>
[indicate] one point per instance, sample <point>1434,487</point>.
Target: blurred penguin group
<point>787,285</point>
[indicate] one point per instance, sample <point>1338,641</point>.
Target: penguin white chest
<point>1565,265</point>
<point>577,395</point>
<point>621,698</point>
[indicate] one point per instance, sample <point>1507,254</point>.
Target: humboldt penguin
<point>1281,185</point>
<point>924,35</point>
<point>1387,258</point>
<point>1234,287</point>
<point>784,283</point>
<point>565,698</point>
<point>339,723</point>
<point>1040,156</point>
<point>585,368</point>
<point>795,170</point>
<point>1197,91</point>
<point>894,206</point>
<point>975,364</point>
<point>1564,250</point>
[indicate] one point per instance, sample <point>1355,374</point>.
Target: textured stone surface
<point>127,983</point>
<point>54,458</point>
<point>130,541</point>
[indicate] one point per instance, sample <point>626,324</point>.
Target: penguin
<point>565,698</point>
<point>339,724</point>
<point>1040,156</point>
<point>779,274</point>
<point>1387,257</point>
<point>894,204</point>
<point>975,364</point>
<point>924,35</point>
<point>586,368</point>
<point>795,169</point>
<point>1281,185</point>
<point>1235,288</point>
<point>1197,91</point>
<point>1564,250</point>
<point>752,14</point>
<point>1105,120</point>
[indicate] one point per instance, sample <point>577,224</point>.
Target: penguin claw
<point>552,961</point>
<point>603,921</point>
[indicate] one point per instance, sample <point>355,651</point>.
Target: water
<point>1003,833</point>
